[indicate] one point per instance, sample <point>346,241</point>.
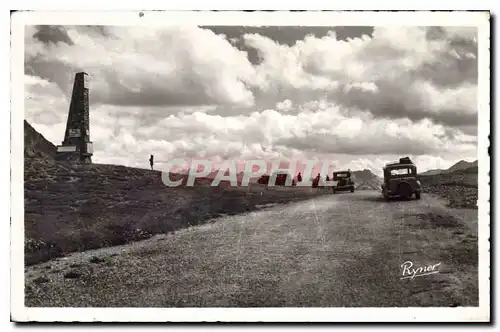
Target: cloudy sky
<point>358,96</point>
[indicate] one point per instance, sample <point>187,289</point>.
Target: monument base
<point>71,154</point>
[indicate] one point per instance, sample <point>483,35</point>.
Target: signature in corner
<point>410,272</point>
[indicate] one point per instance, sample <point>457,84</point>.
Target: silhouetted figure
<point>299,177</point>
<point>281,179</point>
<point>264,179</point>
<point>151,161</point>
<point>327,178</point>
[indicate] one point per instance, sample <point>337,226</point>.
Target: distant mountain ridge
<point>459,166</point>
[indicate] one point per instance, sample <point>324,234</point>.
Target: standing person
<point>151,161</point>
<point>299,177</point>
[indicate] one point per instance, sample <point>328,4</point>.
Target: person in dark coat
<point>151,161</point>
<point>299,177</point>
<point>316,181</point>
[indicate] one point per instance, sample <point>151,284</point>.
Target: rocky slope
<point>75,207</point>
<point>36,147</point>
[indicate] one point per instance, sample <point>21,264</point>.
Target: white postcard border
<point>21,313</point>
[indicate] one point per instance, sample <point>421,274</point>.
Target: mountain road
<point>342,250</point>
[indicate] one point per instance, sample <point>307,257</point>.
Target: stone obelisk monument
<point>77,145</point>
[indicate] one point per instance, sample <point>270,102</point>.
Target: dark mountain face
<point>364,175</point>
<point>36,146</point>
<point>432,172</point>
<point>366,180</point>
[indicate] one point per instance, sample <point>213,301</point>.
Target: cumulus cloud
<point>147,66</point>
<point>45,105</point>
<point>285,105</point>
<point>270,134</point>
<point>390,73</point>
<point>414,72</point>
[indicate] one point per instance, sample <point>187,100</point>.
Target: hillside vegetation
<point>79,207</point>
<point>75,207</point>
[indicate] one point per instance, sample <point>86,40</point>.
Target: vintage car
<point>400,179</point>
<point>343,181</point>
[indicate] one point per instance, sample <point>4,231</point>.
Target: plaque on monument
<point>74,132</point>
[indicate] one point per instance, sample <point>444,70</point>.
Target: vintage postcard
<point>250,166</point>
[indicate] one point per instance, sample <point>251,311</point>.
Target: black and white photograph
<point>186,163</point>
